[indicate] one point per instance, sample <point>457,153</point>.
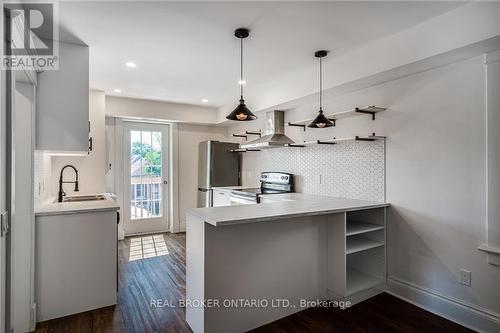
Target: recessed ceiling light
<point>131,64</point>
<point>118,91</point>
<point>242,82</point>
<point>204,100</point>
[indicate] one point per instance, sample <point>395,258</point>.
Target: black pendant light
<point>241,113</point>
<point>320,121</point>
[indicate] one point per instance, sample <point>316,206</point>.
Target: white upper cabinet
<point>62,114</point>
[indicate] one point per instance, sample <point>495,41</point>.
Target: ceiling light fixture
<point>204,100</point>
<point>241,113</point>
<point>116,90</point>
<point>131,64</point>
<point>320,121</point>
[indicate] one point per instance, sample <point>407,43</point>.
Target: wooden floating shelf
<point>357,281</point>
<point>333,141</point>
<point>371,110</point>
<point>356,228</point>
<point>357,244</point>
<point>245,134</point>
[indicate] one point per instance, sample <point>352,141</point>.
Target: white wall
<point>162,111</point>
<point>436,179</point>
<point>189,138</point>
<point>91,168</point>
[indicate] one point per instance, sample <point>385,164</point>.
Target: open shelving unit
<point>357,244</point>
<point>361,234</point>
<point>358,281</point>
<point>243,150</point>
<point>246,134</point>
<point>333,117</point>
<point>356,228</point>
<point>333,141</point>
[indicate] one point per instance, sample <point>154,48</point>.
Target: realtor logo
<point>31,34</point>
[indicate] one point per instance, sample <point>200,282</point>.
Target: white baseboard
<point>468,315</point>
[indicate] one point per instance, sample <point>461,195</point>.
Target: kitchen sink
<point>79,198</point>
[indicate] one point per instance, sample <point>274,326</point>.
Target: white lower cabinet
<point>356,242</point>
<point>221,198</point>
<point>76,263</point>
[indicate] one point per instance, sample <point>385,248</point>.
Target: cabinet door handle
<point>117,217</point>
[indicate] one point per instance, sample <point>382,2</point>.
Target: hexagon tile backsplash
<point>351,170</point>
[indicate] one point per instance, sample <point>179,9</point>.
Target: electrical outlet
<point>319,179</point>
<point>465,277</point>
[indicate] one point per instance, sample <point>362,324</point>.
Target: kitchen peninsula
<point>298,247</point>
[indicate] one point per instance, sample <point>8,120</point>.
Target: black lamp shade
<point>320,121</point>
<point>241,113</point>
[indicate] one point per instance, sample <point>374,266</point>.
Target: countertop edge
<point>49,207</point>
<point>284,216</point>
<point>77,211</point>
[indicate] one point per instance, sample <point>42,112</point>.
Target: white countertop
<point>50,207</point>
<point>287,205</point>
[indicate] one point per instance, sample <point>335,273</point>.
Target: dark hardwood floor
<point>381,314</point>
<point>149,271</point>
<point>152,269</point>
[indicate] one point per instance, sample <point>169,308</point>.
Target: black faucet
<point>61,192</point>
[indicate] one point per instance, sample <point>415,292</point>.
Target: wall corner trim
<point>463,313</point>
<point>493,253</point>
<point>492,57</point>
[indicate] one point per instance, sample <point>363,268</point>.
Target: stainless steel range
<point>270,183</point>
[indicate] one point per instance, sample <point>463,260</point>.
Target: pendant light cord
<point>320,84</point>
<point>241,68</point>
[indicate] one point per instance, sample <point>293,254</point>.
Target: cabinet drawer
<point>221,198</point>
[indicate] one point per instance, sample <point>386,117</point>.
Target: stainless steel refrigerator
<point>217,166</point>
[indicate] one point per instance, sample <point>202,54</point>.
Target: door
<point>146,171</point>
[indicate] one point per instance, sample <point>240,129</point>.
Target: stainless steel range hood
<point>274,136</point>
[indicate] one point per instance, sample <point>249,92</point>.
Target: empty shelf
<point>356,228</point>
<point>356,244</point>
<point>357,281</point>
<point>371,110</point>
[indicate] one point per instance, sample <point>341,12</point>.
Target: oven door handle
<point>241,200</point>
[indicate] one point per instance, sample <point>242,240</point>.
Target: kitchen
<point>318,175</point>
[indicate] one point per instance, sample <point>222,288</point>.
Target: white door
<point>146,171</point>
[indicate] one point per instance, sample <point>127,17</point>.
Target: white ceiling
<point>186,51</point>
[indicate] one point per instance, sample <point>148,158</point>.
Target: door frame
<point>159,226</point>
<point>21,251</point>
